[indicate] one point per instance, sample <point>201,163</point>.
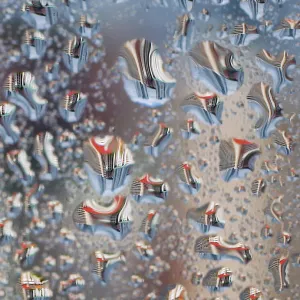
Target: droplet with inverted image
<point>207,218</point>
<point>243,34</point>
<point>278,268</point>
<point>21,89</point>
<point>76,54</point>
<point>9,133</point>
<point>7,233</point>
<point>188,181</point>
<point>148,189</point>
<point>255,9</point>
<point>104,263</point>
<point>55,211</point>
<point>40,14</point>
<point>18,163</point>
<point>159,140</point>
<point>65,262</point>
<point>88,26</point>
<point>277,66</point>
<point>190,129</point>
<point>108,162</point>
<point>237,158</point>
<point>184,35</point>
<point>251,293</point>
<point>114,220</point>
<point>34,286</point>
<point>206,107</point>
<point>67,237</point>
<point>44,153</point>
<point>74,284</point>
<point>145,80</point>
<point>283,141</point>
<point>288,29</point>
<point>284,238</point>
<point>258,187</point>
<point>215,247</point>
<point>218,279</point>
<point>263,102</point>
<point>72,106</point>
<point>216,67</point>
<point>27,254</point>
<point>34,44</point>
<point>150,225</point>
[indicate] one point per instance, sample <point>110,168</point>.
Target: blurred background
<point>110,111</point>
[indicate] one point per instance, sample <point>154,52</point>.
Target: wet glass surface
<point>148,149</point>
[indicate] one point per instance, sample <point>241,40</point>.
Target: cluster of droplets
<point>123,189</point>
